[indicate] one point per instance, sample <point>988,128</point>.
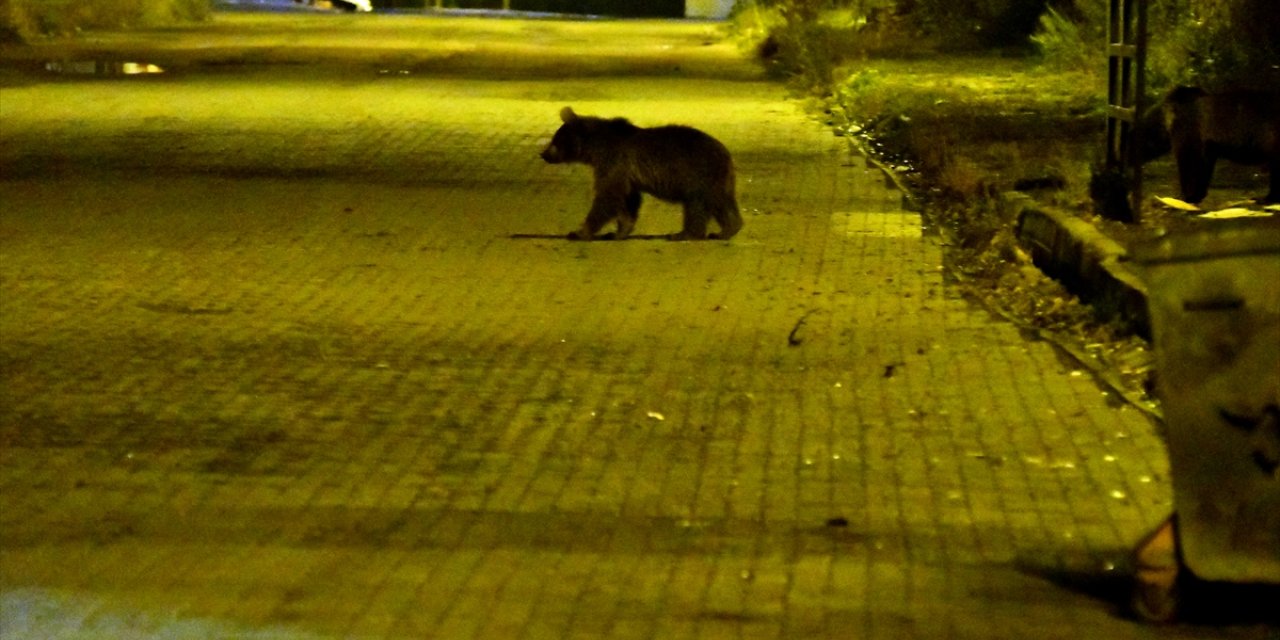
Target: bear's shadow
<point>603,236</point>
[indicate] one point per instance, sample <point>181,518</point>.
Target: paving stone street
<point>272,365</point>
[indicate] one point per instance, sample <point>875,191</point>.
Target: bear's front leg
<point>605,208</point>
<point>627,217</point>
<point>695,222</point>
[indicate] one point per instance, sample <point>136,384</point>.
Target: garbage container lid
<point>1251,236</point>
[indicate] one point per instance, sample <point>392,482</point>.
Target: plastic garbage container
<point>1214,305</point>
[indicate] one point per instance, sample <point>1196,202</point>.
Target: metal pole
<point>1126,93</point>
<point>1139,104</point>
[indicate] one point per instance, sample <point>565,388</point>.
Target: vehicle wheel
<point>1158,574</point>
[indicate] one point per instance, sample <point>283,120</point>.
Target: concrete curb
<point>1090,264</point>
<point>1066,248</point>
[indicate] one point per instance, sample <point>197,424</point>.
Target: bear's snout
<point>551,154</point>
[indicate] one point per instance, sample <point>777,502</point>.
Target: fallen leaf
<point>1174,203</point>
<point>1235,212</point>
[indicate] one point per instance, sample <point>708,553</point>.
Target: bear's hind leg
<point>1273,194</point>
<point>729,219</point>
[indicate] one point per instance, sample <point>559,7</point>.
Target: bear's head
<point>584,138</point>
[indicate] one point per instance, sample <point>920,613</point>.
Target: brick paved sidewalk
<point>273,367</point>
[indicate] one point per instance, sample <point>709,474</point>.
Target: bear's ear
<point>567,115</point>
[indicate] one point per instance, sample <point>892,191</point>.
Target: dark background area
<point>621,8</point>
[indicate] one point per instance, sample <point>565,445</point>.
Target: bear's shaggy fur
<point>1201,127</point>
<point>674,163</point>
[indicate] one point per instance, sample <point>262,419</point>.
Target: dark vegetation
<point>966,100</point>
<point>22,20</point>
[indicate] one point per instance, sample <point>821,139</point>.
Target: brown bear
<point>1201,127</point>
<point>674,163</point>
